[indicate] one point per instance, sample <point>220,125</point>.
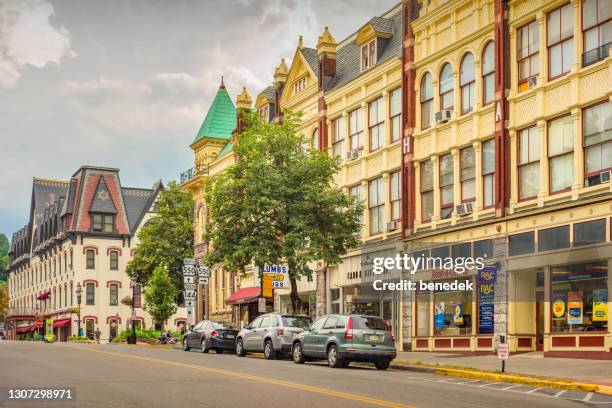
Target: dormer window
<point>300,85</point>
<point>368,55</point>
<point>264,112</point>
<point>103,223</point>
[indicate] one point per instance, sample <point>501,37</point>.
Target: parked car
<point>271,333</point>
<point>342,339</point>
<point>209,335</point>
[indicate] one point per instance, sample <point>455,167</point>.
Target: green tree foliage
<point>4,248</point>
<point>3,300</point>
<point>160,296</point>
<point>166,239</point>
<point>278,203</point>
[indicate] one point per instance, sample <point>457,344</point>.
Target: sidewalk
<point>534,363</point>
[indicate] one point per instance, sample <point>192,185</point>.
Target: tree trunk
<point>295,299</point>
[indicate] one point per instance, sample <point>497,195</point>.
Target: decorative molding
<point>113,281</point>
<point>113,248</point>
<point>86,281</point>
<point>86,247</point>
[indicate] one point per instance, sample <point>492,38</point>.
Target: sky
<point>127,84</point>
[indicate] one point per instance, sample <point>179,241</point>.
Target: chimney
<point>243,105</point>
<point>281,74</point>
<point>326,51</point>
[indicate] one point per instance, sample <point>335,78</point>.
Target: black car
<point>208,335</point>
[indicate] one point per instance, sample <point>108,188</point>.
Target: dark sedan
<point>208,335</point>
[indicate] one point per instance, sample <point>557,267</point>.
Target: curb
<point>509,378</point>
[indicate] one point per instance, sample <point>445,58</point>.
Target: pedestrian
<point>98,333</point>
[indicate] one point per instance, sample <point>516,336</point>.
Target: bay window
<point>427,191</point>
<point>376,123</point>
<point>560,37</point>
<point>529,162</point>
<point>468,174</point>
<point>446,186</point>
<point>561,153</point>
<point>528,55</point>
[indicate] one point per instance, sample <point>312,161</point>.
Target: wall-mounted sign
<point>600,305</point>
<point>266,286</point>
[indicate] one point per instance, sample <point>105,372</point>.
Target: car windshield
<point>372,323</point>
<point>296,321</point>
<point>223,326</point>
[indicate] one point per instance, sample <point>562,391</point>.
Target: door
<point>260,332</point>
<point>113,329</point>
<point>309,343</point>
<point>539,297</point>
<point>329,330</point>
<point>250,335</point>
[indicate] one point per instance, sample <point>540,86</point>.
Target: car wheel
<point>298,355</point>
<point>269,352</point>
<point>240,352</point>
<point>332,357</point>
<point>204,348</point>
<point>186,345</point>
<point>382,364</point>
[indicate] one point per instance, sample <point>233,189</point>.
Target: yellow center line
<point>235,374</point>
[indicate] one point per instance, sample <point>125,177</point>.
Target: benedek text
<point>405,284</point>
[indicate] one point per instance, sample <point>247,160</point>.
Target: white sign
<point>190,294</point>
<point>189,271</point>
<point>203,281</point>
<point>190,315</point>
<point>188,279</point>
<point>189,303</point>
<point>503,351</point>
<point>262,305</point>
<point>202,272</point>
<point>190,286</point>
<point>275,269</point>
<point>190,262</point>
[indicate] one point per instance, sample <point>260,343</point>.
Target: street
<point>118,375</point>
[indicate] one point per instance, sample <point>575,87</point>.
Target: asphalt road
<point>120,376</point>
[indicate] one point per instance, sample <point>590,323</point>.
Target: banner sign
<point>458,314</point>
<point>49,329</point>
<point>600,305</point>
<point>487,277</point>
<point>574,307</point>
<point>439,315</point>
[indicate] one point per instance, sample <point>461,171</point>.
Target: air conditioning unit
<point>464,209</point>
<point>393,225</point>
<point>532,82</point>
<point>353,154</point>
<point>443,116</point>
<point>604,176</point>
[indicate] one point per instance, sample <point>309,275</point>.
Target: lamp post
<point>79,291</point>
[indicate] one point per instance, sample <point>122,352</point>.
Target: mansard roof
<point>102,201</point>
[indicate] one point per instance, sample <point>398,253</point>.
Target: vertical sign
<point>486,299</point>
<point>574,307</point>
<point>49,330</point>
<point>600,305</point>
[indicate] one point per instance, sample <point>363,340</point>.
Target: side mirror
<point>191,327</point>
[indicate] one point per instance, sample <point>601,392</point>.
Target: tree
<point>166,239</point>
<point>3,300</point>
<point>4,248</point>
<point>160,296</point>
<point>278,203</point>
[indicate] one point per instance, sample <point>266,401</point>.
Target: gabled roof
<point>310,54</point>
<point>220,120</point>
<point>381,25</point>
<point>102,201</point>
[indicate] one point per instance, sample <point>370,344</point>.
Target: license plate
<point>373,337</point>
<point>229,336</point>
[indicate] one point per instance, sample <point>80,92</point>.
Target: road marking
<point>468,382</point>
<point>236,374</point>
<point>588,397</point>
<point>532,391</point>
<point>511,387</point>
<point>487,384</point>
<point>560,393</point>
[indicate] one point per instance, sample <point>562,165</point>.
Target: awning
<point>44,295</point>
<point>246,295</point>
<point>25,329</point>
<point>61,323</point>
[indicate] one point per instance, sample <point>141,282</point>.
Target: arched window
<point>447,94</point>
<point>467,80</point>
<point>488,73</point>
<point>427,109</point>
<point>314,141</point>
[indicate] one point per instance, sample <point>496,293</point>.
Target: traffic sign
<point>189,279</point>
<point>503,351</point>
<point>190,294</point>
<point>190,286</point>
<point>189,271</point>
<point>203,281</point>
<point>190,262</point>
<point>189,303</point>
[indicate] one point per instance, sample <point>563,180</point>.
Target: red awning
<point>25,329</point>
<point>44,295</point>
<point>245,295</point>
<point>61,323</point>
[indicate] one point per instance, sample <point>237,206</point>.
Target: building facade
<point>81,234</point>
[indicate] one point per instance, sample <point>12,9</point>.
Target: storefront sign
<point>458,314</point>
<point>574,307</point>
<point>49,330</point>
<point>278,274</point>
<point>558,307</point>
<point>266,286</point>
<point>486,299</point>
<point>600,305</point>
<point>439,315</point>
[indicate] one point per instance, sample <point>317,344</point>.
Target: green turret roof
<point>220,120</point>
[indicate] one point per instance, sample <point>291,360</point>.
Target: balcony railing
<point>596,54</point>
<point>197,170</point>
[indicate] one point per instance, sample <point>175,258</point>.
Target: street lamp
<point>79,291</point>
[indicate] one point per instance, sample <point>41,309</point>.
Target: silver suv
<point>271,333</point>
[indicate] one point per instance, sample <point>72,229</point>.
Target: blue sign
<point>487,277</point>
<point>439,315</point>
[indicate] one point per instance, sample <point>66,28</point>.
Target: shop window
<point>483,249</point>
<point>395,195</point>
<point>90,259</point>
<point>90,294</point>
<point>550,239</point>
<point>590,232</point>
<point>529,162</point>
<point>447,186</point>
<point>597,30</point>
<point>338,133</point>
<point>579,298</point>
<point>376,202</point>
<point>376,123</point>
<point>528,55</point>
<point>427,109</point>
<point>488,173</point>
<point>519,244</point>
<point>422,318</point>
<point>560,37</point>
<point>114,260</point>
<point>561,153</point>
<point>427,193</point>
<point>440,252</point>
<point>597,128</point>
<point>421,254</point>
<point>468,174</point>
<point>447,94</point>
<point>488,74</point>
<point>395,113</point>
<point>453,313</point>
<point>467,81</point>
<point>356,128</point>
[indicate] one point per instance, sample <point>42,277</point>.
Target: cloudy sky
<point>126,84</point>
